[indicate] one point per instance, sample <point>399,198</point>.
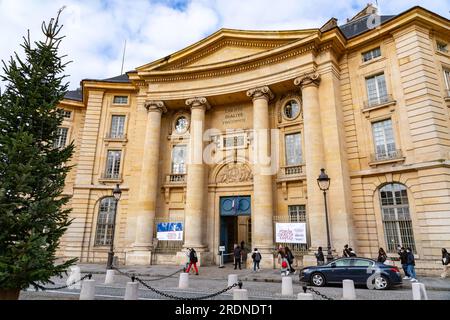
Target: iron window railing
<point>378,101</point>
<point>387,155</point>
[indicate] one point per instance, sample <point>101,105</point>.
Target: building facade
<point>227,138</point>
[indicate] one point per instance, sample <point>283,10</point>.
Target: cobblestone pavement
<point>214,279</point>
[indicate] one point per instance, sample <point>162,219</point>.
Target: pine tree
<point>33,213</point>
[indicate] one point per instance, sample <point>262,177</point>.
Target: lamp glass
<point>323,181</point>
<point>117,193</point>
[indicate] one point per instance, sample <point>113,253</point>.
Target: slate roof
<point>76,95</point>
<point>361,25</point>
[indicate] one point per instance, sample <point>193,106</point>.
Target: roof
<point>119,79</point>
<point>356,27</point>
<point>76,95</point>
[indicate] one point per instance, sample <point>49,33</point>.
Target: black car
<point>374,274</point>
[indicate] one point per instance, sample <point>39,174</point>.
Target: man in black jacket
<point>237,257</point>
<point>411,263</point>
<point>402,253</point>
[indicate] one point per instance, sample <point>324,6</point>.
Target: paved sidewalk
<point>216,273</point>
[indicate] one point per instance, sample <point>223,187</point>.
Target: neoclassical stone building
<point>187,138</point>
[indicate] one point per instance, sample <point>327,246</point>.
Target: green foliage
<point>33,216</point>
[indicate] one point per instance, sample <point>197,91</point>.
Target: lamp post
<point>324,184</point>
<point>117,193</point>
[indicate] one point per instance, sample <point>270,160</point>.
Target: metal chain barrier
<point>184,298</point>
<point>305,288</point>
<point>161,293</point>
<point>164,277</point>
<point>61,287</point>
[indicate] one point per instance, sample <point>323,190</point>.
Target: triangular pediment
<point>225,46</point>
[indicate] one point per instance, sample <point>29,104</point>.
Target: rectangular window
<point>65,113</point>
<point>113,164</point>
<point>442,46</point>
<point>61,140</point>
<point>120,100</point>
<point>179,159</point>
<point>383,137</point>
<point>117,127</point>
<point>371,54</point>
<point>233,141</point>
<point>293,145</point>
<point>447,80</point>
<point>376,90</point>
<point>297,213</point>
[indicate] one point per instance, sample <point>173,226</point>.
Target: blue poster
<point>170,231</point>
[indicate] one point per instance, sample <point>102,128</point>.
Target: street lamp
<point>117,193</point>
<point>324,184</point>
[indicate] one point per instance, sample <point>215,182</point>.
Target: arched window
<point>105,222</point>
<point>396,217</point>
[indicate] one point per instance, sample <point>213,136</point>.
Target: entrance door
<point>235,223</point>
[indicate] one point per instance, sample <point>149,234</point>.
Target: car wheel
<point>318,280</point>
<point>381,283</point>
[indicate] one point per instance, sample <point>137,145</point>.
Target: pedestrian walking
<point>319,256</point>
<point>445,262</point>
<point>290,259</point>
<point>243,254</point>
<point>237,257</point>
<point>382,256</point>
<point>402,253</point>
<point>410,262</point>
<point>284,266</point>
<point>281,254</point>
<point>256,256</point>
<point>346,252</point>
<point>192,261</point>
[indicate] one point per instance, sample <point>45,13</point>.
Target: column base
<point>205,258</point>
<point>139,255</point>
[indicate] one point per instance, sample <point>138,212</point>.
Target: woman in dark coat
<point>445,262</point>
<point>382,256</point>
<point>320,257</point>
<point>290,258</point>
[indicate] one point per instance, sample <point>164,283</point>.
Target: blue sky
<point>96,29</point>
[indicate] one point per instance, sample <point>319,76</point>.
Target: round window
<point>292,109</point>
<point>181,124</point>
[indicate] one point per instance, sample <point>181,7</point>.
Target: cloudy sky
<point>96,29</point>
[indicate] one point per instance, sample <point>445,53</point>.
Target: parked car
<point>357,269</point>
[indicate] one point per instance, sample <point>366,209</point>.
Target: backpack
<point>257,256</point>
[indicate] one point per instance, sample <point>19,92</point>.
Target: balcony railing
<point>116,136</point>
<point>386,156</point>
<point>176,178</point>
<point>379,101</point>
<point>111,176</point>
<point>292,170</point>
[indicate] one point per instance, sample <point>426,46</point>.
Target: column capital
<point>198,102</point>
<point>263,92</point>
<point>155,106</point>
<point>308,79</point>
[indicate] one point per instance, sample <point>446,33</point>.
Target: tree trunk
<point>9,294</point>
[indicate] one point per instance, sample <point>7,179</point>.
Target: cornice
<point>227,42</point>
<point>234,67</point>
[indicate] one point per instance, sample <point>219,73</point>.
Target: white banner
<point>169,231</point>
<point>290,232</point>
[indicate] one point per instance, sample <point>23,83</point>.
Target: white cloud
<point>96,30</point>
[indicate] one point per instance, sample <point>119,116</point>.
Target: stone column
<point>196,191</point>
<point>146,208</point>
<point>314,158</point>
<point>262,212</point>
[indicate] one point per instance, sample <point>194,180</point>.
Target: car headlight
<point>305,270</point>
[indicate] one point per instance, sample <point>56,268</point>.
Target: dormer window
<point>371,54</point>
<point>442,46</point>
